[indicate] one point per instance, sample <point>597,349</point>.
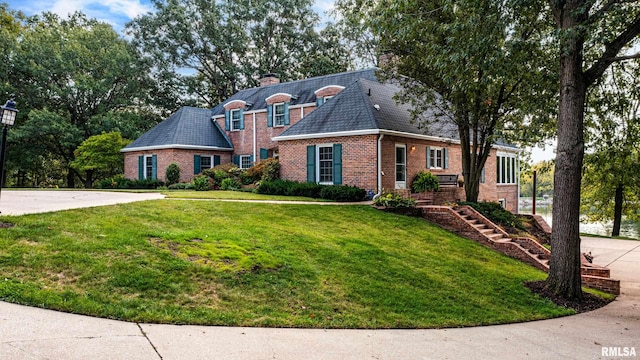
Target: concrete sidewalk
<point>20,202</point>
<point>32,333</point>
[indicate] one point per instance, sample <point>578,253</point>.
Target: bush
<point>172,174</point>
<point>119,182</point>
<point>271,170</point>
<point>425,181</point>
<point>181,186</point>
<point>201,183</point>
<point>343,193</point>
<point>216,175</point>
<point>230,184</point>
<point>393,200</point>
<point>496,213</point>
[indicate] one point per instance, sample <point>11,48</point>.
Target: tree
<point>78,78</point>
<point>206,50</point>
<point>544,179</point>
<point>478,62</point>
<point>612,167</point>
<point>100,155</point>
<point>592,36</point>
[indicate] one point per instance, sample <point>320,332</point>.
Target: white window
<point>148,167</point>
<point>325,164</point>
<point>245,161</point>
<point>325,98</point>
<point>206,162</point>
<point>436,157</point>
<point>235,119</point>
<point>506,169</point>
<point>401,166</point>
<point>278,114</point>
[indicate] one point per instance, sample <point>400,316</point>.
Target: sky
<point>119,12</point>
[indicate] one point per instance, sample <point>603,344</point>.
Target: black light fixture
<point>8,113</point>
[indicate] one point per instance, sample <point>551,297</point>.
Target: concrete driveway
<point>20,202</point>
<point>33,333</point>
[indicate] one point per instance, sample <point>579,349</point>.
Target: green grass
<point>222,263</point>
<point>232,195</point>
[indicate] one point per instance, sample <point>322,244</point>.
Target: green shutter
<point>446,158</point>
<point>196,165</point>
<point>264,153</point>
<point>269,115</point>
<point>319,101</point>
<point>311,163</point>
<point>141,167</point>
<point>337,164</point>
<point>236,160</point>
<point>216,160</point>
<point>286,113</point>
<point>154,164</point>
<point>428,157</point>
<point>241,114</point>
<point>251,160</point>
<point>227,120</point>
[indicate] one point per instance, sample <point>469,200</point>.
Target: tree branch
<point>611,51</point>
<point>606,7</point>
<point>623,58</point>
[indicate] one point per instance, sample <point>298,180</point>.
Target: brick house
<point>336,129</point>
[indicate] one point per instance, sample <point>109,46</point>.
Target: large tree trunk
<point>564,266</point>
<point>88,182</point>
<point>617,211</point>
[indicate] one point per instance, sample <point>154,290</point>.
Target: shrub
<point>393,200</point>
<point>271,170</point>
<point>172,174</point>
<point>216,175</point>
<point>343,193</point>
<point>425,181</point>
<point>181,186</point>
<point>230,184</point>
<point>201,183</point>
<point>119,182</point>
<point>496,213</point>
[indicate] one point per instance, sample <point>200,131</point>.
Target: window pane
<point>508,181</point>
<point>401,155</point>
<point>235,119</point>
<point>149,165</point>
<point>325,164</point>
<point>278,114</point>
<point>245,161</point>
<point>205,162</point>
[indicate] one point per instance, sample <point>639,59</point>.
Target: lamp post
<point>8,114</point>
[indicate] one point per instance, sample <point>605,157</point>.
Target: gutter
<point>379,167</point>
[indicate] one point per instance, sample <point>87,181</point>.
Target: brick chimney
<point>269,79</point>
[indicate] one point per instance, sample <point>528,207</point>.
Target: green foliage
<point>393,200</point>
<point>230,184</point>
<point>243,39</point>
<point>172,174</point>
<point>201,183</point>
<point>312,190</point>
<point>119,182</point>
<point>182,186</point>
<point>544,179</point>
<point>100,155</point>
<point>271,170</point>
<point>496,213</point>
<point>343,193</point>
<point>425,181</point>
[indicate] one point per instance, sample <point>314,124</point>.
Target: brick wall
<point>359,154</point>
<point>184,159</point>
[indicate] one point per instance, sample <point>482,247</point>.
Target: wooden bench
<point>448,180</point>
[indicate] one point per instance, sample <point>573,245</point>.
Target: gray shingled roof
<point>367,105</point>
<point>301,90</point>
<point>188,127</point>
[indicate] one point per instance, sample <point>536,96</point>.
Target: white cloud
<point>100,9</point>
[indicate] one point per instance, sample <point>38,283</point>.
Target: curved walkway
<point>32,333</point>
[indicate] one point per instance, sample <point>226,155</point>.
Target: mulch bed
<point>589,301</point>
<point>4,225</point>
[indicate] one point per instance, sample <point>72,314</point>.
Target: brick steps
<point>467,222</point>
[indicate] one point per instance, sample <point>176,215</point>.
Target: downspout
<point>379,167</point>
<point>255,158</point>
<point>518,174</point>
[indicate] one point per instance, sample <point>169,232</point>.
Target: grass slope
<point>194,262</point>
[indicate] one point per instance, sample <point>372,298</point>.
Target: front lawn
<point>231,195</point>
<point>222,263</point>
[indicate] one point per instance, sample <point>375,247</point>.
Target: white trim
<point>240,161</point>
<point>240,120</point>
<point>232,101</point>
<point>433,160</point>
<point>278,94</point>
<point>145,175</point>
<point>325,135</point>
<point>400,185</point>
<point>274,114</point>
<point>328,86</point>
<point>291,107</point>
<point>254,137</point>
<point>175,146</point>
<point>318,146</point>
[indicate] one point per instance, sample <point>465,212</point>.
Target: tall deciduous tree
<point>77,76</point>
<point>210,49</point>
<point>100,156</point>
<point>479,62</point>
<point>592,36</point>
<point>611,174</point>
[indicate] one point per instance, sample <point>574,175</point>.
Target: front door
<point>401,166</point>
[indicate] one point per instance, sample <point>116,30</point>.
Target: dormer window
<point>279,114</point>
<point>235,119</point>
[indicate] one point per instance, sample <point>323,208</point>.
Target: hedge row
<point>312,190</point>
